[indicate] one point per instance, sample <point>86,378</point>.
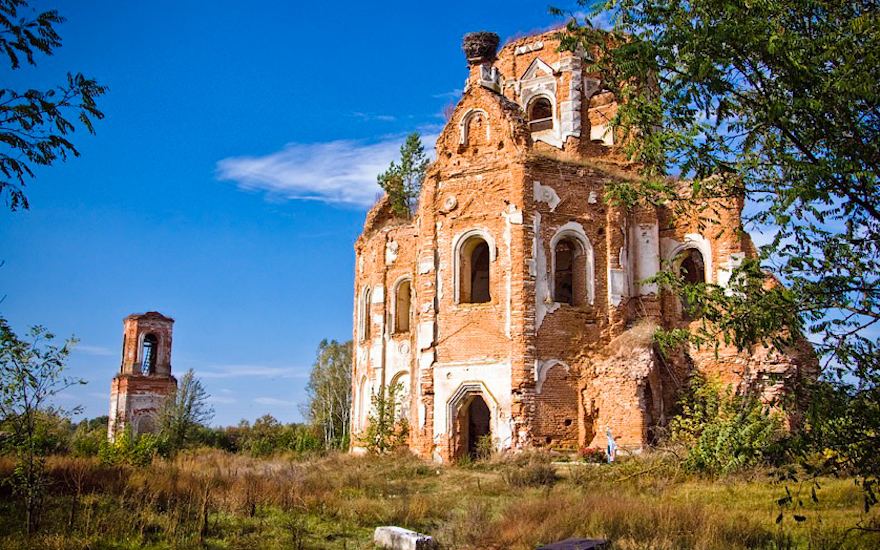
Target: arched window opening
<point>365,315</point>
<point>403,307</point>
<point>474,274</point>
<point>693,271</point>
<point>540,114</point>
<point>570,273</point>
<point>149,351</point>
<point>564,284</point>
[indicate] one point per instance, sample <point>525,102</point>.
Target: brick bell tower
<point>144,380</point>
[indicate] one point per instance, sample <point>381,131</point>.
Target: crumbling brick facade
<point>144,380</point>
<point>524,288</point>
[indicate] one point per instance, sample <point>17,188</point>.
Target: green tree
<point>403,180</point>
<point>35,125</point>
<point>185,411</point>
<point>386,429</point>
<point>31,374</point>
<point>329,393</point>
<point>777,103</point>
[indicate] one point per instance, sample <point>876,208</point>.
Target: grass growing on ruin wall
<point>210,499</point>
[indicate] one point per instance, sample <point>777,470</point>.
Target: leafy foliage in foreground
<point>31,375</point>
<point>775,104</point>
<point>35,125</point>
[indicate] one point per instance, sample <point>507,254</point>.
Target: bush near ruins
<point>529,470</point>
<point>723,432</point>
<point>386,429</point>
<point>592,455</point>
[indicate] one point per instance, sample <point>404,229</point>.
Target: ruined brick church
<point>512,305</point>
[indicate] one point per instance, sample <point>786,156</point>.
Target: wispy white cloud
<point>274,401</point>
<point>451,94</point>
<point>369,117</point>
<point>337,172</point>
<point>251,371</point>
<point>99,351</point>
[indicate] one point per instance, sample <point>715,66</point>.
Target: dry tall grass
<point>216,500</point>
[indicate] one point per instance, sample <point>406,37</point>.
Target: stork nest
<point>480,45</point>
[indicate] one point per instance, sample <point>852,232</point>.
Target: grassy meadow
<point>212,499</point>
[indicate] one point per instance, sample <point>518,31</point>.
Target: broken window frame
<point>364,317</point>
<point>398,314</point>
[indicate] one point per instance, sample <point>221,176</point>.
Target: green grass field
<point>208,499</point>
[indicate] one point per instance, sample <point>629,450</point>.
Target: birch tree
<point>329,391</point>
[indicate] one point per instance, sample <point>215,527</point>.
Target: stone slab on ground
<point>577,544</point>
<point>398,538</point>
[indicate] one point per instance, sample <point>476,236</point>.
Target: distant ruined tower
<point>144,380</point>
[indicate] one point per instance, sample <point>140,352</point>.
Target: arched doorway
<point>474,424</point>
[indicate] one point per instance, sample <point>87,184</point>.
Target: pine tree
<point>403,181</point>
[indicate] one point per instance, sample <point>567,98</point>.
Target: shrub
<point>87,441</point>
<point>267,436</point>
<point>485,447</point>
<point>723,431</point>
<point>529,470</point>
<point>131,450</point>
<point>593,455</point>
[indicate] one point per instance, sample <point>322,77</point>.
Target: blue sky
<point>229,180</point>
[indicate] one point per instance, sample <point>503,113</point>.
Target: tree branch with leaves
<point>31,375</point>
<point>776,103</point>
<point>36,125</point>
